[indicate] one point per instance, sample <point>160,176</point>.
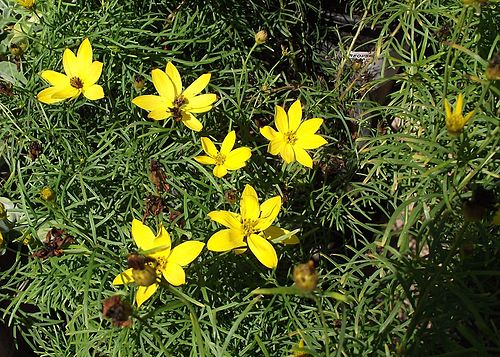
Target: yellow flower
<point>174,102</point>
<point>166,262</point>
<point>252,228</point>
<point>455,121</point>
<point>26,3</point>
<point>293,137</point>
<point>227,158</point>
<point>81,75</point>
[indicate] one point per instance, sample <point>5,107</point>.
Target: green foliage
<point>401,271</point>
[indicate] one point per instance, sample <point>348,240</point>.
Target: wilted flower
<point>225,160</point>
<point>174,102</point>
<point>455,121</point>
<point>293,137</point>
<point>493,69</point>
<point>81,75</point>
<point>119,311</point>
<point>251,228</point>
<point>139,82</point>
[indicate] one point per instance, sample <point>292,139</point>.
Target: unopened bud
<point>47,194</point>
<point>261,37</point>
<point>305,276</point>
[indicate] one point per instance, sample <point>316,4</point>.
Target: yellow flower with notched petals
<point>166,262</point>
<point>293,137</point>
<point>225,160</point>
<point>455,121</point>
<point>81,75</point>
<point>251,228</point>
<point>174,102</point>
<point>26,3</point>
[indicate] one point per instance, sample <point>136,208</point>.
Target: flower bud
<point>261,37</point>
<point>305,276</point>
<point>493,69</point>
<point>144,277</point>
<point>139,82</point>
<point>47,194</point>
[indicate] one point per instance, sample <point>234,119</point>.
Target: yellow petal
<point>200,101</point>
<point>237,158</point>
<point>191,122</point>
<point>310,142</point>
<point>303,157</point>
<point>226,218</point>
<point>275,232</point>
<point>93,92</point>
<point>84,54</point>
<point>144,293</point>
<point>249,203</point>
<point>228,143</point>
<point>224,240</point>
<point>459,104</point>
<point>65,92</point>
<point>281,119</point>
<point>46,96</point>
<point>92,73</point>
<point>208,146</point>
<point>145,239</point>
<point>269,133</point>
<point>468,116</point>
<point>125,277</point>
<point>174,274</point>
<point>161,244</point>
<point>159,114</point>
<point>197,86</point>
<point>276,145</point>
<point>70,63</point>
<point>205,160</point>
<point>219,171</point>
<point>151,102</point>
<point>186,252</point>
<point>447,108</point>
<point>287,153</point>
<point>294,115</point>
<point>163,84</point>
<point>309,127</point>
<point>175,77</point>
<point>200,110</point>
<point>268,212</point>
<point>55,78</point>
<point>263,251</point>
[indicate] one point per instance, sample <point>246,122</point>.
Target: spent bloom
<point>251,228</point>
<point>294,136</point>
<point>81,76</point>
<point>160,261</point>
<point>174,102</point>
<point>225,160</point>
<point>455,121</point>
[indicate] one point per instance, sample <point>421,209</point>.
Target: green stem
<point>325,326</point>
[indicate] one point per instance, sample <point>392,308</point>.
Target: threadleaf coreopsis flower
<point>455,121</point>
<point>162,261</point>
<point>26,3</point>
<point>293,137</point>
<point>251,228</point>
<point>174,102</point>
<point>227,159</point>
<point>81,76</point>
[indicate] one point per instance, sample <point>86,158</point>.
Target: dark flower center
<point>76,82</point>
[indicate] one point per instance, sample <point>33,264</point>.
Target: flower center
<point>290,137</point>
<point>248,227</point>
<point>220,159</point>
<point>76,82</point>
<point>176,111</point>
